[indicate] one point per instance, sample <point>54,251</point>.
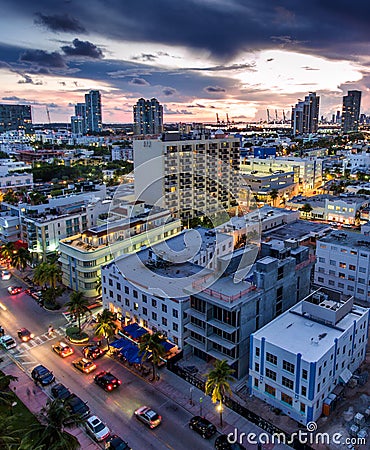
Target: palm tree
<point>10,197</point>
<point>274,194</point>
<point>306,208</point>
<point>152,344</point>
<point>218,383</point>
<point>98,285</point>
<point>6,395</point>
<point>50,432</point>
<point>53,274</point>
<point>105,326</point>
<point>21,258</point>
<point>9,435</point>
<point>40,274</point>
<point>78,306</point>
<point>7,251</point>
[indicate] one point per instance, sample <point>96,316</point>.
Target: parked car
<point>42,375</point>
<point>223,443</point>
<point>25,335</point>
<point>97,429</point>
<point>77,406</point>
<point>107,381</point>
<point>202,426</point>
<point>5,275</point>
<point>7,342</point>
<point>14,290</point>
<point>93,352</point>
<point>114,442</point>
<point>84,365</point>
<point>62,349</point>
<point>148,416</point>
<point>60,391</point>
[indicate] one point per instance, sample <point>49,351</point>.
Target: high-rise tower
<point>305,115</point>
<point>93,112</point>
<point>148,117</point>
<point>351,111</point>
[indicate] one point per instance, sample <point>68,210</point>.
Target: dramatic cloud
<point>83,48</point>
<point>146,57</point>
<point>170,111</point>
<point>139,82</point>
<point>214,89</point>
<point>26,79</point>
<point>167,91</point>
<point>43,58</point>
<point>60,22</point>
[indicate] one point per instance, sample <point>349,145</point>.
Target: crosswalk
<point>38,340</point>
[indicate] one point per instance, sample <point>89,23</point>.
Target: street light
<point>220,409</point>
<point>191,396</point>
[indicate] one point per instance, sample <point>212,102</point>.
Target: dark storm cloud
<point>146,57</point>
<point>26,79</point>
<point>43,58</point>
<point>167,91</point>
<point>59,22</point>
<point>83,48</point>
<point>139,82</point>
<point>214,89</point>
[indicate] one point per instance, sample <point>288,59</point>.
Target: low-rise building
<point>125,231</point>
<point>343,263</point>
<point>298,359</point>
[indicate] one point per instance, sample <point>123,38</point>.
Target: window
<point>256,367</point>
<point>287,383</point>
<point>145,311</point>
<point>331,283</point>
<point>257,351</point>
<point>362,269</point>
<point>134,293</point>
<point>321,259</point>
<point>352,267</point>
<point>270,374</point>
<point>110,282</point>
<point>127,290</point>
<point>304,374</point>
<point>303,408</point>
<point>332,262</point>
<point>145,298</point>
<point>361,280</point>
<point>271,358</point>
<point>303,391</point>
<point>154,302</point>
<point>318,387</point>
<point>111,294</point>
<point>342,265</point>
<point>289,367</point>
<point>270,390</point>
<point>164,321</point>
<point>256,383</point>
<point>320,279</point>
<point>175,327</point>
<point>136,306</point>
<point>175,313</point>
<point>154,316</point>
<point>164,308</point>
<point>286,399</point>
<point>127,302</point>
<point>119,286</point>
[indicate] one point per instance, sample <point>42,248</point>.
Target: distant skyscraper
<point>148,116</point>
<point>305,115</point>
<point>15,117</point>
<point>77,127</point>
<point>93,112</point>
<point>80,111</point>
<point>351,111</point>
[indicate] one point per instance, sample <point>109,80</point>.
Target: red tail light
<point>119,382</point>
<point>109,387</point>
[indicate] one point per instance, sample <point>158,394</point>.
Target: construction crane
<point>284,118</point>
<point>217,118</point>
<point>48,114</point>
<point>227,119</point>
<point>268,116</point>
<point>276,116</point>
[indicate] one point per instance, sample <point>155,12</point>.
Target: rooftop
<point>300,231</point>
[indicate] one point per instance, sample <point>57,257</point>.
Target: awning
<point>119,343</point>
<point>134,330</point>
<point>345,376</point>
<point>167,345</point>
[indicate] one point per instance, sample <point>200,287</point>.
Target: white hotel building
<point>298,359</point>
<point>343,263</point>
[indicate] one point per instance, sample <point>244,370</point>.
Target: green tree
<point>306,208</point>
<point>10,197</point>
<point>21,258</point>
<point>105,327</point>
<point>50,432</point>
<point>6,395</point>
<point>78,306</point>
<point>9,435</point>
<point>274,194</point>
<point>218,383</point>
<point>152,344</point>
<point>7,251</point>
<point>47,274</point>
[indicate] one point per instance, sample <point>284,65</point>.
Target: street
<point>115,408</point>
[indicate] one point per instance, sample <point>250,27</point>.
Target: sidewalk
<point>37,400</point>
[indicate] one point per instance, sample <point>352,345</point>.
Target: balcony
<point>222,326</point>
<point>194,343</point>
<point>196,329</point>
<point>219,340</point>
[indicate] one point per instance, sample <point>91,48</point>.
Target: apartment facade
<point>343,263</point>
<point>305,115</point>
<point>299,358</point>
<point>148,116</point>
<point>351,111</point>
<point>83,254</point>
<point>190,177</point>
<point>15,117</point>
<point>94,119</point>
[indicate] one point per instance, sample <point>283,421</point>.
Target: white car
<point>5,275</point>
<point>97,429</point>
<point>7,342</point>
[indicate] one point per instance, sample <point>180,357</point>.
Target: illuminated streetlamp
<point>219,408</point>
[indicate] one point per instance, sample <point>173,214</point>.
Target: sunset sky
<point>197,57</point>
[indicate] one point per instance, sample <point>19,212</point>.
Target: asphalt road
<point>114,408</point>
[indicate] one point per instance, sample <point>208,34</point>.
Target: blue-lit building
<point>264,152</point>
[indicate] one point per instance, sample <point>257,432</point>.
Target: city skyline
<point>199,59</point>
